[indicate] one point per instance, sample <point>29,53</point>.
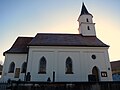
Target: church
<point>60,57</point>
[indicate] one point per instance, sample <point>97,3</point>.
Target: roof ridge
<point>24,37</point>
<point>55,33</point>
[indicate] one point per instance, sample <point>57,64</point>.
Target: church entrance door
<point>95,72</point>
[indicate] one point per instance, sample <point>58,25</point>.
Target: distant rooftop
<point>115,65</point>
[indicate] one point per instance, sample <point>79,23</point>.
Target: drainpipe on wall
<point>53,76</point>
<point>26,65</point>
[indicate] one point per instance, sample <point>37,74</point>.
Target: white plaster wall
<point>33,65</point>
<point>83,24</point>
<point>109,70</point>
<point>84,30</point>
<point>83,18</point>
<point>56,57</point>
<point>101,62</point>
<point>62,56</point>
<point>18,59</point>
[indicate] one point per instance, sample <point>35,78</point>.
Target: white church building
<point>60,57</point>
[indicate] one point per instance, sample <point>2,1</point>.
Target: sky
<point>29,17</point>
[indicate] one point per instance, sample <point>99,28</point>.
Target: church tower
<point>86,25</point>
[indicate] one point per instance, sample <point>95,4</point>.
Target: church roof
<point>84,11</point>
<point>43,39</point>
<point>20,45</point>
<point>46,39</point>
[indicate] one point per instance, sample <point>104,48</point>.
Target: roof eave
<point>14,53</point>
<point>72,45</point>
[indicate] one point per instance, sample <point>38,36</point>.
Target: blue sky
<point>28,17</point>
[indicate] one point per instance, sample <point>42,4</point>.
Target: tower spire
<point>86,25</point>
<point>84,11</point>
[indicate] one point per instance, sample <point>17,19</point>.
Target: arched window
<point>69,66</point>
<point>88,27</point>
<point>42,65</point>
<point>23,68</point>
<point>87,20</point>
<point>11,67</point>
<point>95,72</point>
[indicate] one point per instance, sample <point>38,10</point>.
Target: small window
<point>11,67</point>
<point>69,66</point>
<point>24,66</point>
<point>42,66</point>
<point>87,20</point>
<point>93,56</point>
<point>104,74</point>
<point>108,68</point>
<point>17,72</point>
<point>88,27</point>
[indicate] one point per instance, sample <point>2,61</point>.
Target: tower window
<point>88,27</point>
<point>87,20</point>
